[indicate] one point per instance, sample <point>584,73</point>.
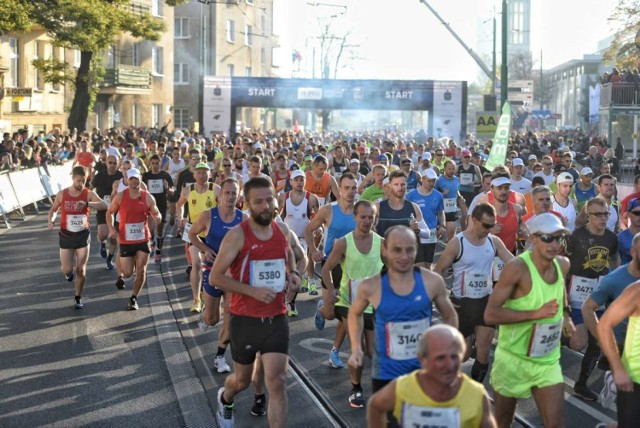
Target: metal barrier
<point>20,189</point>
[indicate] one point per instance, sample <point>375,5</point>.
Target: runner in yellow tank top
<point>438,394</point>
<point>527,303</point>
<point>200,196</point>
<point>626,370</point>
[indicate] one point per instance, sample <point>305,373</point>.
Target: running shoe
<point>319,319</point>
<point>158,258</point>
<point>259,406</point>
<point>195,307</point>
<point>291,310</point>
<point>188,270</point>
<point>583,391</point>
<point>203,326</point>
<point>334,359</point>
<point>304,287</point>
<point>69,276</point>
<point>103,250</point>
<point>78,303</point>
<point>110,265</point>
<point>120,283</point>
<point>133,304</point>
<point>220,364</point>
<point>356,399</point>
<point>224,414</point>
<point>313,288</point>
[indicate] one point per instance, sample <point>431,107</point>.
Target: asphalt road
<point>106,366</point>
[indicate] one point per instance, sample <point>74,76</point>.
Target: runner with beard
<point>160,186</point>
<point>102,184</point>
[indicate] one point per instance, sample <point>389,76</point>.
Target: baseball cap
<point>308,158</point>
<point>382,158</point>
<point>297,173</point>
<point>545,223</point>
<point>564,177</point>
<point>354,161</point>
<point>257,146</point>
<point>184,146</point>
<point>466,153</point>
<point>134,172</point>
<point>430,174</point>
<point>532,157</point>
<point>500,181</point>
<point>202,165</point>
<point>633,203</point>
<point>307,148</point>
<point>586,170</point>
<point>517,162</point>
<point>426,155</point>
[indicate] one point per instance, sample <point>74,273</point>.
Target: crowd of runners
<point>537,252</point>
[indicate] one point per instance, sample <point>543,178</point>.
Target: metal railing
<point>127,76</point>
<point>620,94</point>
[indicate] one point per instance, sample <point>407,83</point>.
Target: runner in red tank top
<point>134,207</point>
<point>262,263</point>
<point>75,236</point>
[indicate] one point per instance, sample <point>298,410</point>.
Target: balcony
<point>620,95</point>
<point>126,79</point>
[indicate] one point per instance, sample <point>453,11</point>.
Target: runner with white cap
<point>518,182</point>
<point>531,161</point>
<point>585,188</point>
<point>562,202</point>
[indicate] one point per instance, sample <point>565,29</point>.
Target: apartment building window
<point>263,24</point>
<point>135,115</point>
<point>247,71</point>
<point>248,35</point>
<point>77,57</point>
<point>181,118</point>
<point>231,30</point>
<point>181,74</point>
<point>38,53</point>
<point>55,54</point>
<point>135,54</point>
<point>263,56</point>
<point>111,57</point>
<point>13,63</point>
<point>156,8</point>
<point>230,69</point>
<point>181,28</point>
<point>157,61</point>
<point>156,115</point>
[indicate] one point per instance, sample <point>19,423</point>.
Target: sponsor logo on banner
<point>447,106</point>
<point>501,140</point>
<point>261,92</point>
<point>310,94</point>
<point>216,104</point>
<point>486,124</point>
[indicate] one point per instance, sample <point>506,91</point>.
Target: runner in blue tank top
<point>402,298</point>
<point>215,223</point>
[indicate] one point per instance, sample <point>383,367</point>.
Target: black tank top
<point>389,217</point>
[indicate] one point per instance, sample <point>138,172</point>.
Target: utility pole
<point>494,80</point>
<point>504,70</point>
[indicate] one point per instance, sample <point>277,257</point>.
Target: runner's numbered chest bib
<point>429,417</point>
<point>498,266</point>
<point>545,338</point>
<point>450,205</point>
<point>353,289</point>
<point>268,274</point>
<point>156,186</point>
<point>185,232</point>
<point>581,288</point>
<point>466,179</point>
<point>476,285</point>
<point>403,338</point>
<point>76,222</point>
<point>134,232</point>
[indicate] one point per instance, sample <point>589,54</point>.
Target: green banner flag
<point>500,145</point>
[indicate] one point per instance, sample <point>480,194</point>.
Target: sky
<point>401,39</point>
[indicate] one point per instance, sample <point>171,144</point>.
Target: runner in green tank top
<point>527,303</point>
<point>626,370</point>
<point>359,254</point>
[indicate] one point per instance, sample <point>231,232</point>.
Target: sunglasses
<point>195,158</point>
<point>636,213</point>
<point>601,214</point>
<point>438,154</point>
<point>226,165</point>
<point>488,226</point>
<point>548,239</point>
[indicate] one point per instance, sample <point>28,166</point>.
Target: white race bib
<point>156,186</point>
<point>320,200</point>
<point>432,239</point>
<point>76,222</point>
<point>498,265</point>
<point>545,338</point>
<point>476,285</point>
<point>581,289</point>
<point>403,338</point>
<point>466,179</point>
<point>268,274</point>
<point>353,289</point>
<point>134,231</point>
<point>185,232</point>
<point>450,205</point>
<point>429,417</point>
<point>107,199</point>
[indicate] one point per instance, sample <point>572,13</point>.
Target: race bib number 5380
<point>268,274</point>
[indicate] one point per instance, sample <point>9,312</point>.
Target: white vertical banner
<point>447,109</point>
<point>216,104</point>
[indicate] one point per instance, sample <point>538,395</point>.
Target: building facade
<point>233,38</point>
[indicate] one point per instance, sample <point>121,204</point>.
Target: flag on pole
<point>500,145</point>
<point>296,56</point>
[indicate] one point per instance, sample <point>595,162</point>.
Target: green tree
<point>624,50</point>
<point>89,26</point>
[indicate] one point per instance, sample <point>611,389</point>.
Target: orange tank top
<point>319,187</point>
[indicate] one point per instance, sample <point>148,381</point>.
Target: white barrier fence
<point>19,189</point>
